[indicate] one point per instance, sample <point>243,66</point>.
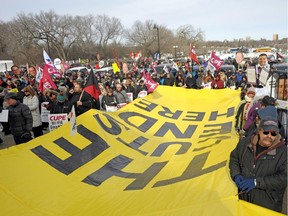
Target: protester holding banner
<point>217,83</point>
<point>20,119</point>
<point>241,113</point>
<point>31,100</point>
<point>258,164</point>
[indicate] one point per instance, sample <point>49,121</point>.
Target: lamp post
<point>175,49</point>
<point>158,38</point>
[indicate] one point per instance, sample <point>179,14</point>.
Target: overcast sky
<point>219,19</point>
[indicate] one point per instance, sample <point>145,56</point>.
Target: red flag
<point>215,61</point>
<point>131,55</point>
<point>91,86</point>
<point>149,82</point>
<point>46,81</point>
<point>192,55</point>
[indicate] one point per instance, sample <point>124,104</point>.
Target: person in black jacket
<point>19,118</point>
<point>81,100</point>
<point>109,99</point>
<point>258,164</point>
<point>61,105</point>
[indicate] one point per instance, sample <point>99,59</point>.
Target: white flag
<point>73,126</point>
<point>46,57</point>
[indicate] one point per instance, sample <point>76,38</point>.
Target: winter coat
<point>269,168</point>
<point>86,100</point>
<point>108,101</point>
<point>33,103</point>
<point>20,119</point>
<point>60,107</point>
<point>121,97</point>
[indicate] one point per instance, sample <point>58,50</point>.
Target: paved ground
<point>7,141</point>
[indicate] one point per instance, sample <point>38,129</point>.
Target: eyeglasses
<point>273,133</point>
<point>26,91</point>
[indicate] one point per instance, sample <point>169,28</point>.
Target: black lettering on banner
<point>175,130</point>
<point>149,106</point>
<point>167,113</point>
<point>214,115</point>
<point>218,140</point>
<point>163,146</point>
<point>225,128</point>
<point>114,168</point>
<point>135,144</point>
<point>112,119</point>
<point>78,157</point>
<point>149,122</point>
<point>199,116</point>
<point>194,169</point>
<point>114,129</point>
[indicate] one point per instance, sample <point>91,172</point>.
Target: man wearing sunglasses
<point>258,164</point>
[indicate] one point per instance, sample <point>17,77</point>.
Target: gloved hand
<point>247,185</point>
<point>238,179</point>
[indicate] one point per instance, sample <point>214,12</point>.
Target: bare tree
<point>186,34</point>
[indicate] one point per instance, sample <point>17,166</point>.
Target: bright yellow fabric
<point>31,186</point>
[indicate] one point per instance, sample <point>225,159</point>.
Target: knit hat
<point>251,90</point>
<point>267,100</point>
<point>11,95</point>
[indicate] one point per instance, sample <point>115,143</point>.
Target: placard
<point>251,76</point>
<point>44,112</point>
<point>4,116</point>
<point>57,120</point>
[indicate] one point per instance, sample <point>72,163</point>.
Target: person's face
<point>282,89</point>
<point>32,71</point>
<point>10,101</point>
<point>266,138</point>
<point>262,60</point>
<point>16,71</point>
<point>118,87</point>
<point>239,57</point>
<point>52,96</point>
<point>250,95</point>
<point>77,88</point>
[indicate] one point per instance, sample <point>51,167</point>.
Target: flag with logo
<point>91,86</point>
<point>47,58</point>
<point>149,82</point>
<point>193,55</point>
<point>215,61</point>
<point>46,82</point>
<point>131,55</point>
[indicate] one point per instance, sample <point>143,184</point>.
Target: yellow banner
<point>166,154</point>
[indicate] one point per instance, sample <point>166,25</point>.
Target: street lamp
<point>175,48</point>
<point>157,28</point>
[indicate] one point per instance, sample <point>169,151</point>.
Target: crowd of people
<point>258,165</point>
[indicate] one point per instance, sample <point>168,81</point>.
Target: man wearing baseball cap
<point>258,164</point>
